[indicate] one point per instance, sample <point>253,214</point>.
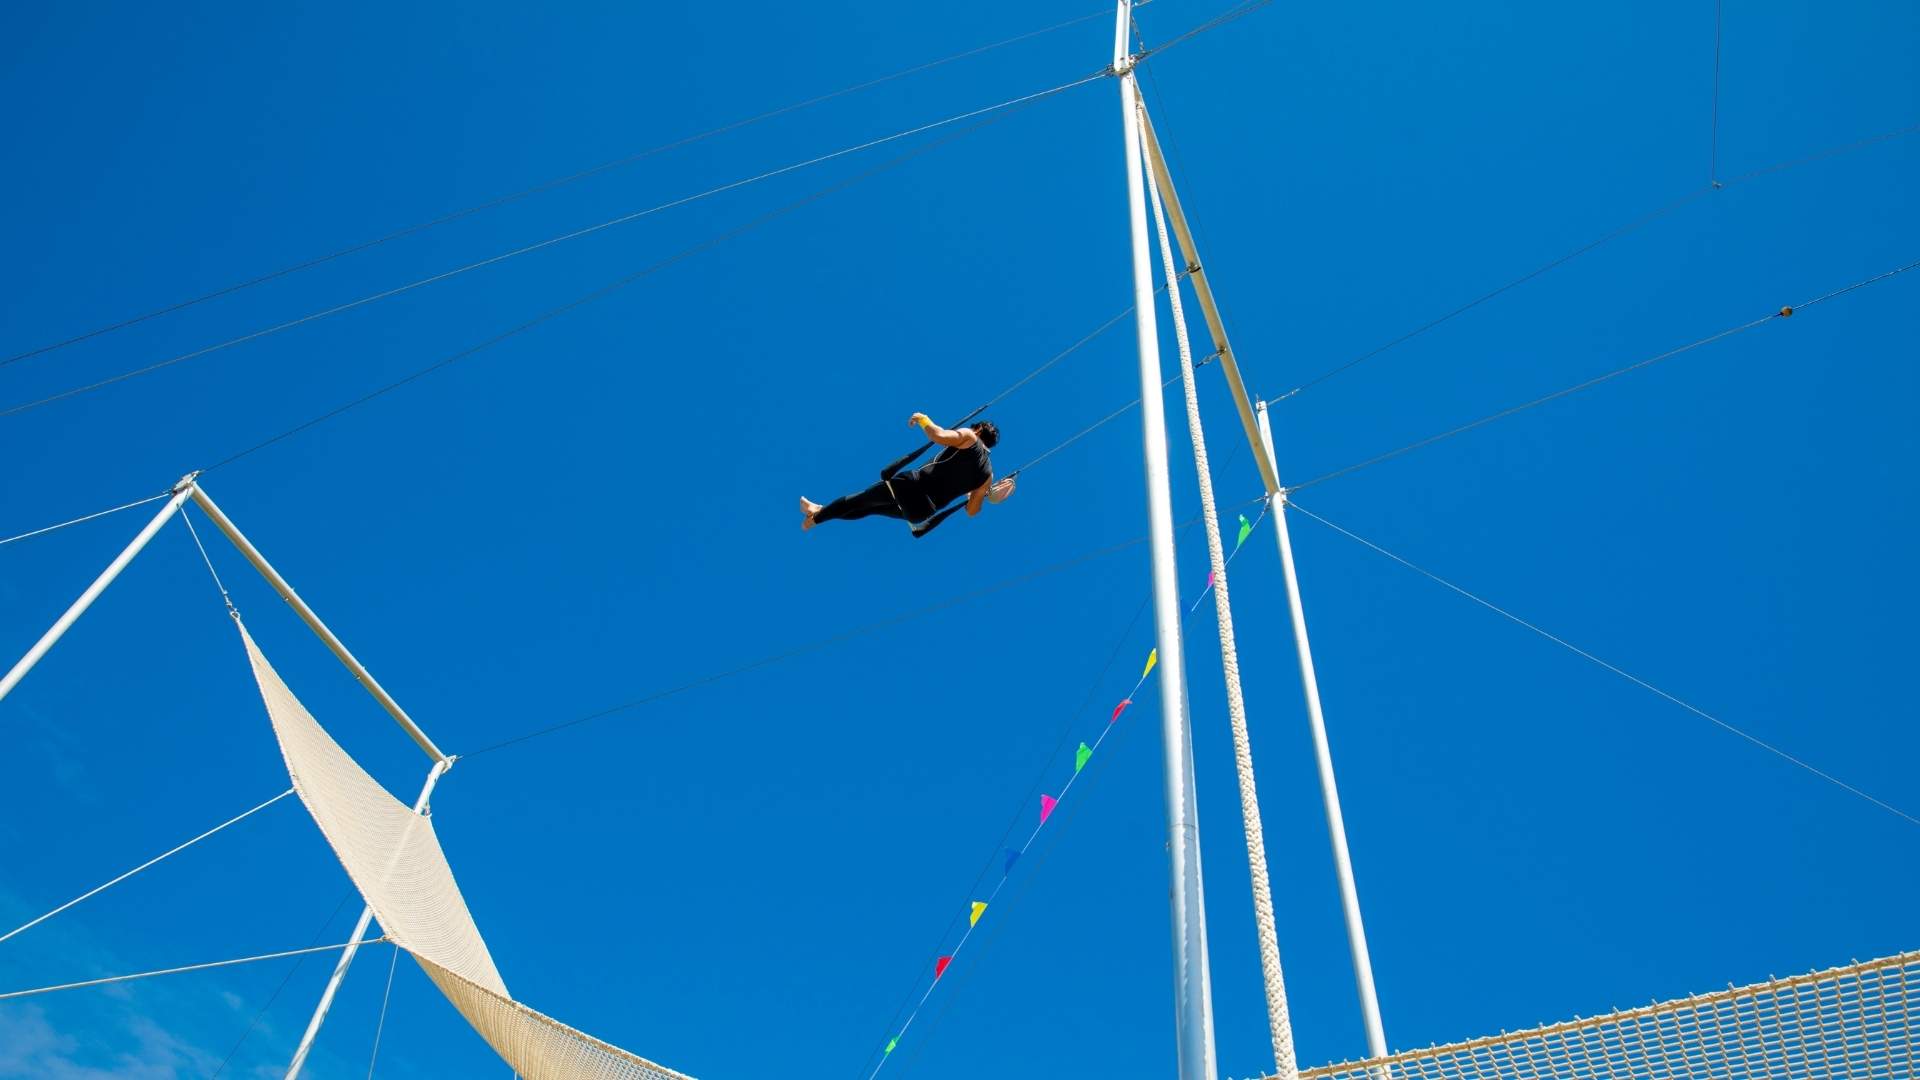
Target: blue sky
<point>755,872</point>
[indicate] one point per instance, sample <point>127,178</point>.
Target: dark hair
<point>987,432</point>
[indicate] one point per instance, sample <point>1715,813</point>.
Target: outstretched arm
<point>994,491</point>
<point>959,439</point>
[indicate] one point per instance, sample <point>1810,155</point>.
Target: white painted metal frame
<point>189,488</point>
<point>1193,995</point>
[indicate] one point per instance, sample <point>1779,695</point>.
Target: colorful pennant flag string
<point>1081,756</point>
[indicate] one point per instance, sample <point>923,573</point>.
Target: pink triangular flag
<point>1209,579</point>
<point>1120,708</point>
<point>1047,803</point>
<point>940,966</point>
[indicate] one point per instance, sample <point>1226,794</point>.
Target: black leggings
<point>878,500</point>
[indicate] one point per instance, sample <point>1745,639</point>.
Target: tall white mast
<point>1192,985</point>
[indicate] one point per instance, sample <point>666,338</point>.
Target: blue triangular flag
<point>1012,857</point>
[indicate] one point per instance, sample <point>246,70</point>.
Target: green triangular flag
<point>891,1043</point>
<point>1246,528</point>
<point>1080,757</point>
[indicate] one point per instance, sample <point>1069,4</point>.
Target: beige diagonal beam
<point>1197,273</point>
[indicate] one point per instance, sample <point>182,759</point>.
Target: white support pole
<point>313,622</point>
<point>346,955</point>
<point>60,626</point>
<point>1323,754</point>
<point>1193,996</point>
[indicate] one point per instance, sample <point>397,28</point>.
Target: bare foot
<point>807,510</point>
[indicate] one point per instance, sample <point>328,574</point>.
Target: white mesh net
<point>1851,1021</point>
<point>394,858</point>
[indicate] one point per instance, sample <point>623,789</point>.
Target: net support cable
<point>1627,675</point>
<point>157,859</point>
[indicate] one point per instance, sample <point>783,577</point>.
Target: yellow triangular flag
<point>1152,659</point>
<point>979,909</point>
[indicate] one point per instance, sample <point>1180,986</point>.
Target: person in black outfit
<point>963,469</point>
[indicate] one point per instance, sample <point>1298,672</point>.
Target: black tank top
<point>954,474</point>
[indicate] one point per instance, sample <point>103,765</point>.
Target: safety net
<point>394,858</point>
<point>1852,1021</point>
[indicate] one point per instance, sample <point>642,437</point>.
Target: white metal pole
<point>313,622</point>
<point>60,626</point>
<point>1323,754</point>
<point>346,955</point>
<point>1193,996</point>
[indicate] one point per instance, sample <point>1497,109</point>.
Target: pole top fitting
<point>184,483</point>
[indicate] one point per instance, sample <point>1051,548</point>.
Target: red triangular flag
<point>940,966</point>
<point>1120,708</point>
<point>1047,803</point>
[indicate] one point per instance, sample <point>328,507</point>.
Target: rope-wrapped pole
<point>1279,1025</point>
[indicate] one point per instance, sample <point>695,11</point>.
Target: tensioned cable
<point>1783,313</point>
<point>11,994</point>
<point>1635,679</point>
<point>87,517</point>
<point>543,187</point>
<point>380,1029</point>
<point>292,970</point>
<point>208,559</point>
<point>98,889</point>
<point>1216,22</point>
<point>1713,143</point>
<point>835,639</point>
<point>609,289</point>
<point>538,245</point>
<point>1615,234</point>
<point>1631,226</point>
